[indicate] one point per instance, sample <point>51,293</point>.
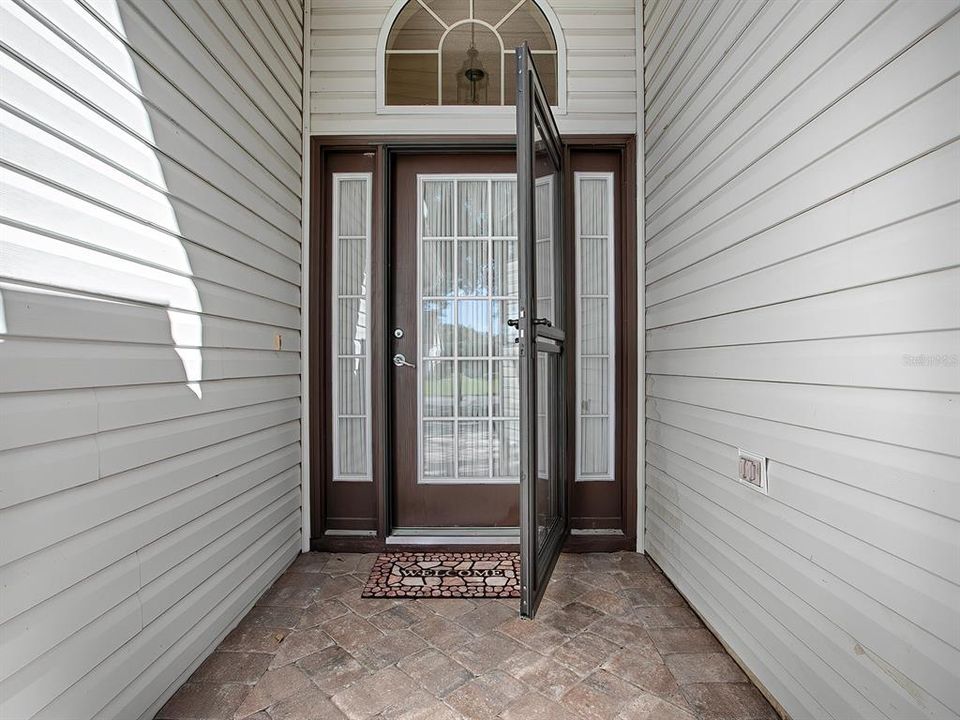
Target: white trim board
<point>305,292</point>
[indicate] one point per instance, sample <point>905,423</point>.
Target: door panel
<point>544,516</point>
<point>456,403</point>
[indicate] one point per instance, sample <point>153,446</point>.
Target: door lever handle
<point>400,360</point>
<point>515,322</point>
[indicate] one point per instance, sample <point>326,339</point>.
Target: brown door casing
<point>358,508</point>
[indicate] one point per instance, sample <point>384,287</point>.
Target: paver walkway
<point>612,640</point>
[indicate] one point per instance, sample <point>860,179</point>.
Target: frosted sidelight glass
<point>544,208</point>
<point>593,207</point>
<point>594,458</point>
<point>352,385</point>
<point>352,447</point>
<point>350,273</point>
<point>595,326</point>
<point>544,261</point>
<point>594,386</point>
<point>352,325</point>
<point>543,404</point>
<point>593,269</point>
<point>547,507</point>
<point>351,266</point>
<point>544,247</point>
<point>353,208</point>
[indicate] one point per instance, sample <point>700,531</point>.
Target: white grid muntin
<point>336,355</point>
<point>456,300</point>
<point>610,355</point>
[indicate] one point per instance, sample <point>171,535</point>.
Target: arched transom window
<point>461,52</point>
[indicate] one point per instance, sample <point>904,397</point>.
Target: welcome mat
<point>445,575</point>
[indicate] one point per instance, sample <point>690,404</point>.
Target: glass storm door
<point>543,502</point>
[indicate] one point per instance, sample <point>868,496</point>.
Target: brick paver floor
<point>612,640</point>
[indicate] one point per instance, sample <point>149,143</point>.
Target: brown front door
<point>455,376</point>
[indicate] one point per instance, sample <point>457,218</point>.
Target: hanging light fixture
<point>472,78</point>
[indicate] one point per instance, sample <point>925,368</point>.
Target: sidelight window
<point>595,325</point>
<point>350,326</point>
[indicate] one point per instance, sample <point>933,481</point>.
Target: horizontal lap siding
<point>149,256</point>
<point>803,303</point>
<point>601,73</point>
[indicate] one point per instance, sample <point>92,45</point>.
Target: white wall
<point>149,430</point>
<point>601,73</point>
<point>803,302</point>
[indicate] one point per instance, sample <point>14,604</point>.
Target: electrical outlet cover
<point>752,470</point>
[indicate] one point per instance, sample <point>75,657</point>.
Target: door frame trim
<point>382,149</point>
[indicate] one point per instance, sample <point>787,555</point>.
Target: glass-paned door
<point>543,502</point>
<point>468,382</point>
<point>454,384</point>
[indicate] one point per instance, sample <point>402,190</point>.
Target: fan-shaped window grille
<point>461,52</point>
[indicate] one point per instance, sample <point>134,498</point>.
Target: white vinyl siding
<point>149,258</point>
<point>802,217</point>
<point>352,446</point>
<point>596,329</point>
<point>600,77</point>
